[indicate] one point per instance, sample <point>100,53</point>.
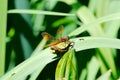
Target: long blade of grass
<point>95,42</point>
<point>87,17</point>
<point>3,22</point>
<point>83,74</point>
<point>89,43</point>
<point>99,7</point>
<point>93,68</point>
<point>105,76</point>
<point>112,27</point>
<point>38,12</point>
<point>66,68</point>
<point>30,65</point>
<point>41,45</point>
<point>91,24</point>
<point>71,67</point>
<point>60,69</point>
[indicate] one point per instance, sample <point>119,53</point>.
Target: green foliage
<point>67,67</point>
<point>3,23</point>
<point>94,30</point>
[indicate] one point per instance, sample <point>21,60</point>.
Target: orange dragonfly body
<point>60,45</point>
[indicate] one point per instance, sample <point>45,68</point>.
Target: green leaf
<point>92,42</point>
<point>69,2</point>
<point>26,68</point>
<point>91,24</point>
<point>67,67</point>
<point>86,16</point>
<point>38,12</point>
<point>83,74</point>
<point>84,43</point>
<point>105,76</point>
<point>3,23</point>
<point>40,46</point>
<point>93,68</point>
<point>112,27</point>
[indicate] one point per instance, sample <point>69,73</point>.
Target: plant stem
<point>3,20</point>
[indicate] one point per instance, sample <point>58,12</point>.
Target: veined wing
<point>47,36</point>
<point>60,30</point>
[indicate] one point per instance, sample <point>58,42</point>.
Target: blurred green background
<point>23,33</point>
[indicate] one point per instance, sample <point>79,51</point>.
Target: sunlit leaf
<point>105,76</point>
<point>66,67</point>
<point>92,68</point>
<point>95,42</point>
<point>26,67</point>
<point>3,24</point>
<point>38,12</point>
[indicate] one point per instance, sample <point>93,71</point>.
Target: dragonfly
<point>61,45</point>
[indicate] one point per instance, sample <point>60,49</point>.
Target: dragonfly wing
<point>47,36</point>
